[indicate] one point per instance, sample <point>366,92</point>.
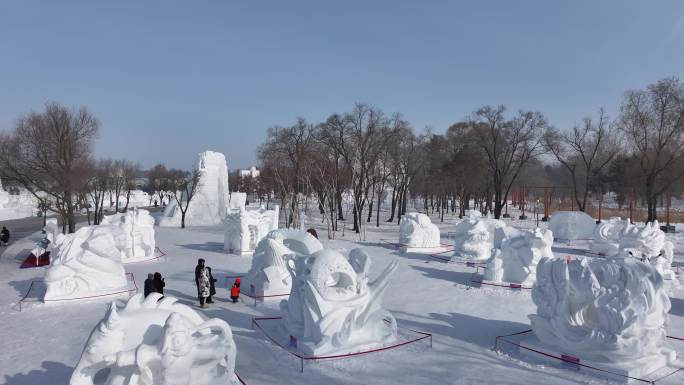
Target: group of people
<point>206,287</point>
<point>4,236</point>
<point>154,284</point>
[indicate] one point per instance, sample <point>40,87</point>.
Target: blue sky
<point>169,79</point>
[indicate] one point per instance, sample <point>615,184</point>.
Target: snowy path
<point>42,344</point>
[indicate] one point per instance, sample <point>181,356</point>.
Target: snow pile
<point>571,225</point>
<point>157,342</point>
<point>209,206</point>
<point>268,275</point>
<point>611,313</point>
<point>137,226</point>
<point>243,229</point>
<point>333,308</point>
<point>477,237</point>
<point>416,230</point>
<point>517,260</point>
<point>86,263</point>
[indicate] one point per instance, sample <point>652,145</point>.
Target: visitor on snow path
<point>149,284</point>
<point>235,292</point>
<point>4,236</point>
<point>205,283</point>
<point>159,283</point>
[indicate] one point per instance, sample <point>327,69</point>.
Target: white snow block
<point>610,312</point>
<point>157,341</point>
<point>571,225</point>
<point>477,238</point>
<point>517,260</point>
<point>209,206</point>
<point>245,228</point>
<point>137,226</point>
<point>333,308</point>
<point>87,264</point>
<point>614,371</point>
<point>418,234</point>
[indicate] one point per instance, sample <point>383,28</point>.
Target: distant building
<point>252,172</point>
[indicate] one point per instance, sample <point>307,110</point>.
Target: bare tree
<point>49,153</point>
<point>584,152</point>
<point>183,185</point>
<point>508,146</point>
<point>653,123</point>
<point>98,185</point>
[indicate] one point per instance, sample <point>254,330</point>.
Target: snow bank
<point>209,206</point>
<point>571,225</point>
<point>243,229</point>
<point>517,260</point>
<point>87,263</point>
<point>416,230</point>
<point>158,341</point>
<point>137,226</point>
<point>333,308</point>
<point>608,312</point>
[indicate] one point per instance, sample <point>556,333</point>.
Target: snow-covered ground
<point>43,343</point>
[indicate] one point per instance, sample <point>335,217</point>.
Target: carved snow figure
<point>155,341</point>
<point>517,260</point>
<point>609,312</point>
<point>53,235</point>
<point>137,226</point>
<point>299,241</point>
<point>87,263</point>
<point>268,274</point>
<point>245,228</point>
<point>648,243</point>
<point>476,237</point>
<point>416,231</point>
<point>209,206</point>
<point>571,225</point>
<point>333,308</point>
<point>607,236</point>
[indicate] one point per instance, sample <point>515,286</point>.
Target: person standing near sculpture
<point>159,283</point>
<point>205,283</point>
<point>149,284</point>
<point>4,236</point>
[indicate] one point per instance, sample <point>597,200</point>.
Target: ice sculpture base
<point>424,250</point>
<point>615,371</point>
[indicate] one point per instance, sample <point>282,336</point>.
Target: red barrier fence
<point>577,361</point>
<point>302,358</point>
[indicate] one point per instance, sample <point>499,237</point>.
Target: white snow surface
<point>42,344</point>
<point>571,225</point>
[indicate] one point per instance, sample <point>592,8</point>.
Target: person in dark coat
<point>159,283</point>
<point>4,236</point>
<point>204,272</point>
<point>149,284</point>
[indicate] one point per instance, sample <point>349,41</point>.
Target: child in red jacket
<point>235,291</point>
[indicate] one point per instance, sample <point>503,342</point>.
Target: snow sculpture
<point>209,206</point>
<point>87,263</point>
<point>137,226</point>
<point>238,201</point>
<point>14,206</point>
<point>517,260</point>
<point>607,236</point>
<point>476,237</point>
<point>245,228</point>
<point>333,308</point>
<point>45,246</point>
<point>417,232</point>
<point>298,241</point>
<point>268,275</point>
<point>571,225</point>
<point>137,198</point>
<point>648,243</point>
<point>610,312</point>
<point>154,341</point>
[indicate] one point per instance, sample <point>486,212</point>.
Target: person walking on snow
<point>235,291</point>
<point>159,283</point>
